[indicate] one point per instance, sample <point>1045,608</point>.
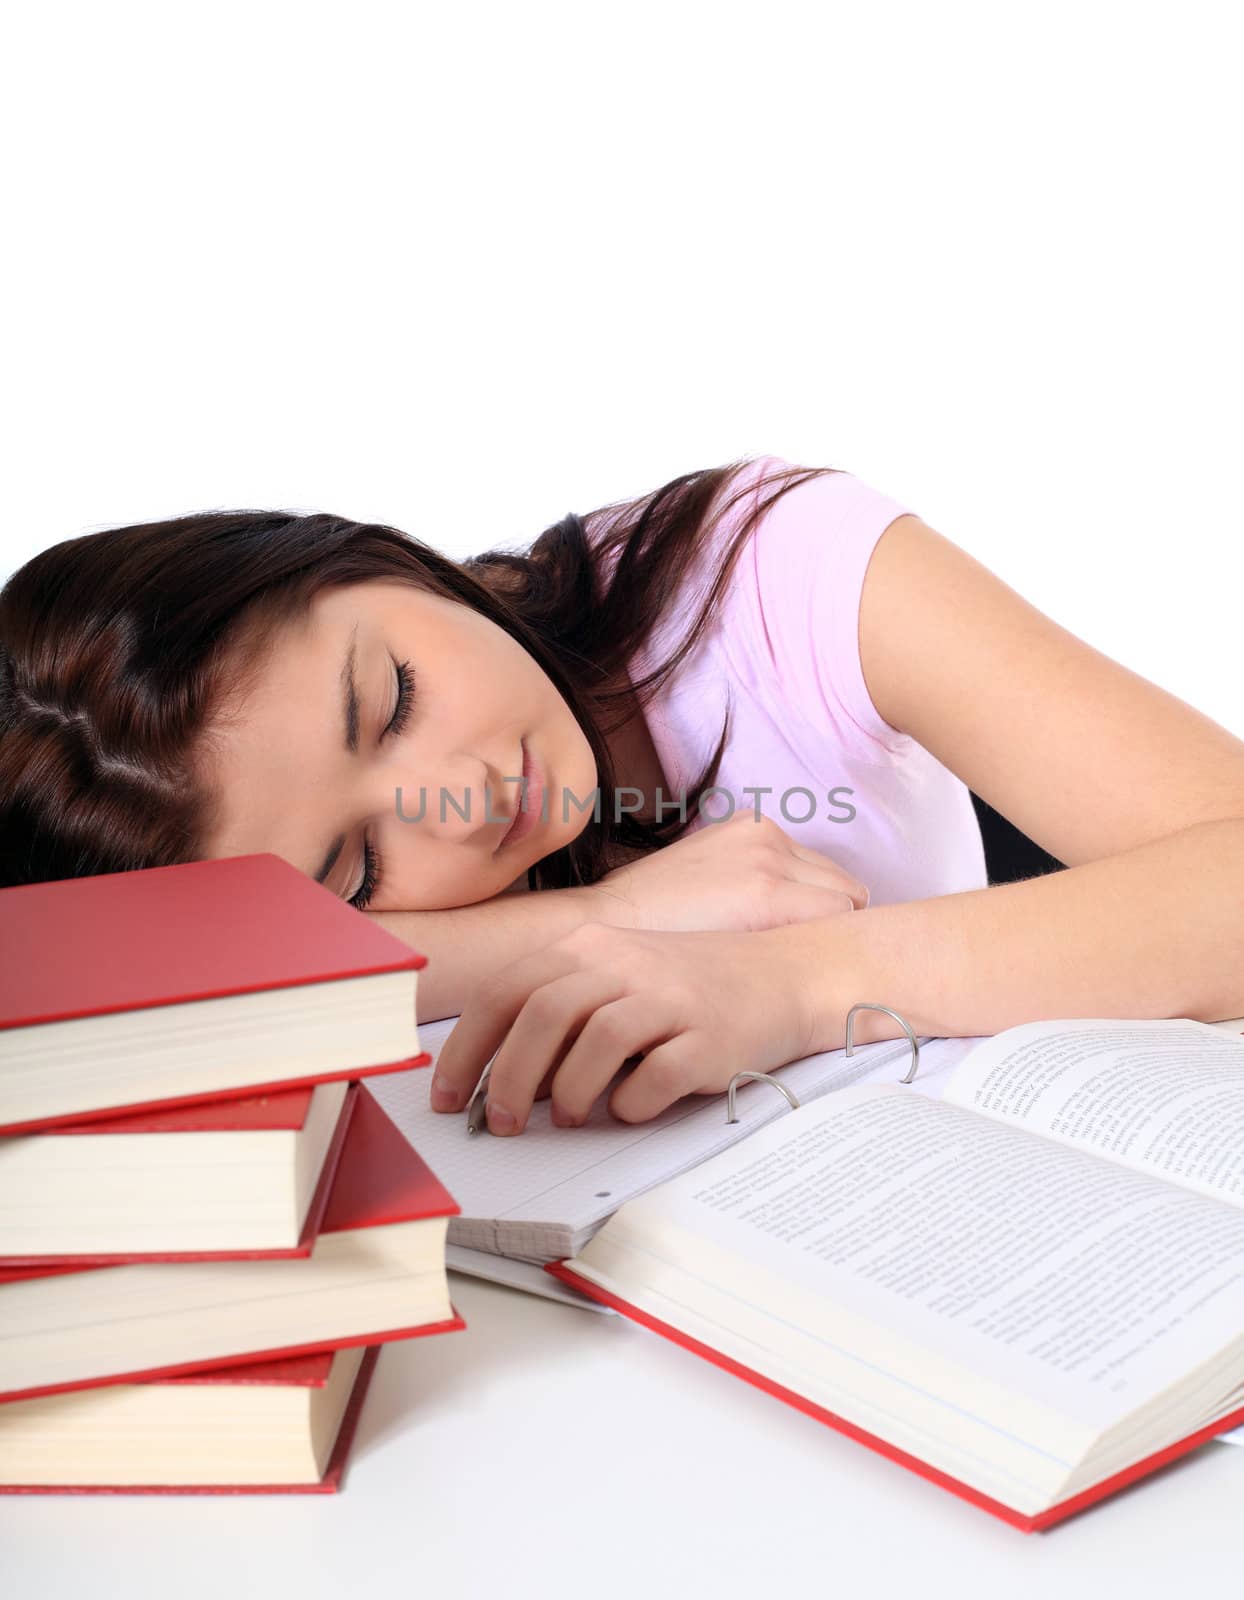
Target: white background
<point>547,1453</point>
<point>465,268</point>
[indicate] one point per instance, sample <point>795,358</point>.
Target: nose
<point>453,801</point>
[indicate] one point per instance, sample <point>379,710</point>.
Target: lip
<point>525,820</point>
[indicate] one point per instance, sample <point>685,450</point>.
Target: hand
<point>737,876</point>
<point>694,1008</point>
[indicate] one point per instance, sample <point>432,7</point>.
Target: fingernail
<point>560,1118</point>
<point>444,1096</point>
<point>499,1119</point>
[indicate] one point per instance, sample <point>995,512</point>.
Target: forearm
<point>466,944</point>
<point>1157,931</point>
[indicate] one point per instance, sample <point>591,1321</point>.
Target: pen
<point>477,1105</point>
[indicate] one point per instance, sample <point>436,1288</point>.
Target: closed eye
<point>364,894</point>
<point>405,699</point>
<point>366,891</point>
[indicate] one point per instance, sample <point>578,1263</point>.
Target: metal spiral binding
<point>755,1077</point>
<point>862,1005</point>
<point>871,1005</point>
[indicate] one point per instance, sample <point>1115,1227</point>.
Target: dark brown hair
<point>117,646</point>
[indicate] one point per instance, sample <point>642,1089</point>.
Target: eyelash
<point>371,877</point>
<point>362,896</point>
<point>405,698</point>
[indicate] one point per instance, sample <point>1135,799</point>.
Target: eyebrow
<point>330,860</point>
<point>350,717</point>
<point>350,697</point>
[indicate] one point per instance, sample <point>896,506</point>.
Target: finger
<point>833,875</point>
<point>823,868</point>
<point>546,1027</point>
<point>662,1078</point>
<point>614,1033</point>
<point>804,902</point>
<point>462,1059</point>
<point>486,1018</point>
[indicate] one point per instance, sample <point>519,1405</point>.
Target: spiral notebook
<point>539,1195</point>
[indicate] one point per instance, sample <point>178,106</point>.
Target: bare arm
<point>466,944</point>
<point>737,875</point>
<point>1141,795</point>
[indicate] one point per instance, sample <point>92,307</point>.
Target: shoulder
<point>926,606</point>
<point>1082,754</point>
<point>812,554</point>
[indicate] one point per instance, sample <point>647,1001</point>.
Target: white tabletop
<point>551,1452</point>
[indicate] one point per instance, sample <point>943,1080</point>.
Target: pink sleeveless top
<point>807,745</point>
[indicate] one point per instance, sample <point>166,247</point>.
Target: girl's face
<point>309,760</point>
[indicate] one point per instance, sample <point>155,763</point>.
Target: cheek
<point>449,882</point>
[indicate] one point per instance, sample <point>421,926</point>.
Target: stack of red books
<point>208,1226</point>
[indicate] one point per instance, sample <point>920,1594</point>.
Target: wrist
<point>827,975</point>
<point>605,902</point>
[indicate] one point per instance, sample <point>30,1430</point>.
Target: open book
<point>1025,1282</point>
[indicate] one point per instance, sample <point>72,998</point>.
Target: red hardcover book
<point>376,1273</point>
<point>1027,1524</point>
<point>295,1417</point>
<point>153,1186</point>
<point>180,984</point>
